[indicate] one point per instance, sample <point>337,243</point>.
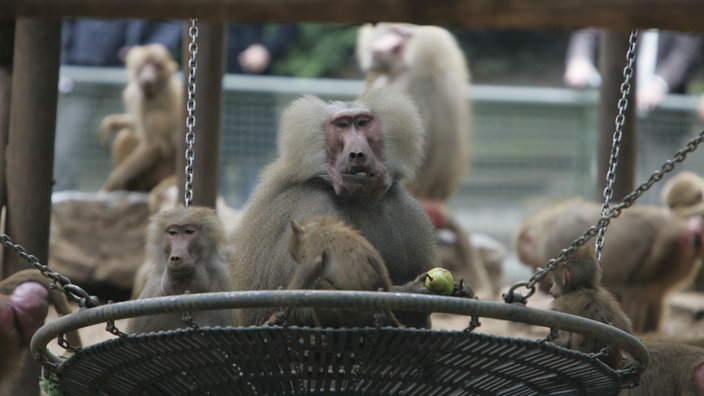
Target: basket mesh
<point>295,360</point>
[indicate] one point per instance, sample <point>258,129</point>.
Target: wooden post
<point>7,42</point>
<point>30,149</point>
<point>210,70</point>
<point>612,59</point>
<point>30,154</point>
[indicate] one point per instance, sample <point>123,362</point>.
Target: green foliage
<point>321,50</point>
<point>50,388</point>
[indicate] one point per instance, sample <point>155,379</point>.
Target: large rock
<point>97,239</point>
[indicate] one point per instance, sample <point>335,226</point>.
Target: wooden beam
<point>682,15</point>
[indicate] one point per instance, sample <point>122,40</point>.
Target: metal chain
<point>191,107</point>
<point>618,134</point>
<point>512,297</point>
<point>60,282</point>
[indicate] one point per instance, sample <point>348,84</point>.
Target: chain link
<point>191,108</point>
<point>512,297</point>
<point>618,134</point>
<point>60,282</point>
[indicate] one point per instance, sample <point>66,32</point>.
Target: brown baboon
<point>578,291</point>
<point>331,255</point>
<point>674,369</point>
<point>684,195</point>
<point>144,150</point>
<point>648,252</point>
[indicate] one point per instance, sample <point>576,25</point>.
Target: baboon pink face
<point>24,311</point>
<point>182,249</point>
<point>355,154</point>
<point>388,50</point>
<point>151,67</point>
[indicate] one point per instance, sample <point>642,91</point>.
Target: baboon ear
<point>297,228</point>
<point>565,274</point>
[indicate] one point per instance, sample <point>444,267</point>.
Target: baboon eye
<point>362,122</point>
<point>343,124</point>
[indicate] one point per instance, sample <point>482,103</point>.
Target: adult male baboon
<point>344,159</point>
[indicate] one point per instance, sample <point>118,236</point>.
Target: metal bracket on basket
<point>552,336</point>
<point>473,324</point>
<point>61,340</point>
<point>112,329</point>
<point>513,297</point>
<point>630,376</point>
<point>608,350</point>
<point>187,318</point>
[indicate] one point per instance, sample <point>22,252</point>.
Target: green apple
<point>439,281</point>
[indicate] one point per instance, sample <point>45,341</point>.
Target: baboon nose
<point>357,156</point>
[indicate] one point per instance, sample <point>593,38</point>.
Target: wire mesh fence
<point>529,143</point>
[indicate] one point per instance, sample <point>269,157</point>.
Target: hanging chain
<point>512,297</point>
<point>60,282</point>
<point>618,134</point>
<point>191,107</point>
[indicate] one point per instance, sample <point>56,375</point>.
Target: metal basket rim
<point>323,298</point>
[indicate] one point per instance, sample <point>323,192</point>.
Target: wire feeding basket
<point>306,360</point>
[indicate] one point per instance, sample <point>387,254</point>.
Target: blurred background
<point>534,139</point>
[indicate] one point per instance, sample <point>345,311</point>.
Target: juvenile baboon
<point>578,291</point>
<point>187,251</point>
<point>343,159</point>
<point>144,150</point>
<point>648,252</point>
<point>331,255</point>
